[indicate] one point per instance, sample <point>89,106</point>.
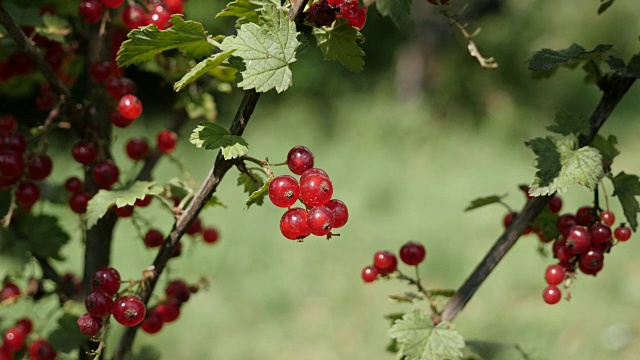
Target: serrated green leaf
<point>497,351</point>
<point>250,187</point>
<point>203,106</point>
<point>202,68</point>
<point>567,124</point>
<point>631,70</point>
<point>257,197</point>
<point>548,160</point>
<point>55,28</point>
<point>604,5</point>
<point>340,42</point>
<point>147,42</point>
<point>626,188</point>
<point>44,236</point>
<point>14,254</point>
<point>547,222</point>
<point>67,337</point>
<point>483,201</point>
<point>213,136</point>
<point>246,10</point>
<point>547,60</point>
<point>607,148</point>
<point>581,166</point>
<point>420,340</point>
<point>101,202</point>
<point>397,10</point>
<point>265,51</point>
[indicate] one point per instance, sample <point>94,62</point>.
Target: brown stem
<point>614,90</point>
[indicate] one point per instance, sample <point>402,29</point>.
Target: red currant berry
<point>622,233</point>
<point>385,261</point>
<point>13,339</point>
<point>106,279</point>
<point>169,311</point>
<point>137,149</point>
<point>38,166</point>
<point>565,222</point>
<point>25,324</point>
<point>73,184</point>
<point>551,294</point>
<point>100,71</point>
<point>78,202</point>
<point>179,290</point>
<point>90,11</point>
<point>106,173</point>
<point>340,212</point>
<point>98,303</point>
<point>11,165</point>
<point>27,194</point>
<point>118,120</point>
<point>134,16</point>
<point>299,158</point>
<point>210,235</point>
<point>313,172</point>
<point>412,253</point>
<point>113,4</point>
<point>153,323</point>
<point>320,221</point>
<point>41,349</point>
<point>293,224</point>
<point>8,123</point>
<point>84,152</point>
<point>144,202</point>
<point>129,310</point>
<point>9,291</point>
<point>195,227</point>
<point>321,13</point>
<point>89,325</point>
<point>315,190</point>
<point>369,274</point>
<point>579,240</point>
<point>174,6</point>
<point>130,107</point>
<point>124,211</point>
<point>167,141</point>
<point>153,238</point>
<point>284,191</point>
<point>584,215</point>
<point>356,15</point>
<point>591,261</point>
<point>608,218</point>
<point>554,274</point>
<point>13,142</point>
<point>159,17</point>
<point>508,219</point>
<point>555,204</point>
<point>600,234</point>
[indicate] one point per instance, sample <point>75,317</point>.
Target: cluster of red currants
<point>385,262</point>
<point>133,15</point>
<point>167,310</point>
<point>325,12</point>
<point>585,238</point>
<point>321,213</point>
<point>15,337</point>
<point>128,310</point>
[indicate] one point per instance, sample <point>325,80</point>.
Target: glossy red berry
<point>38,166</point>
<point>41,349</point>
<point>25,324</point>
<point>84,152</point>
<point>27,194</point>
<point>90,11</point>
<point>134,16</point>
<point>412,253</point>
<point>555,204</point>
<point>100,71</point>
<point>129,310</point>
<point>106,173</point>
<point>78,202</point>
<point>608,218</point>
<point>174,6</point>
<point>210,235</point>
<point>313,172</point>
<point>153,322</point>
<point>315,190</point>
<point>153,238</point>
<point>299,158</point>
<point>195,227</point>
<point>284,191</point>
<point>13,339</point>
<point>591,261</point>
<point>144,202</point>
<point>369,274</point>
<point>565,222</point>
<point>124,211</point>
<point>340,212</point>
<point>554,275</point>
<point>98,303</point>
<point>106,279</point>
<point>179,290</point>
<point>8,123</point>
<point>137,149</point>
<point>293,224</point>
<point>579,240</point>
<point>320,221</point>
<point>551,294</point>
<point>385,261</point>
<point>169,311</point>
<point>584,215</point>
<point>167,141</point>
<point>73,185</point>
<point>11,165</point>
<point>600,234</point>
<point>351,11</point>
<point>89,325</point>
<point>321,13</point>
<point>622,233</point>
<point>159,16</point>
<point>130,107</point>
<point>113,4</point>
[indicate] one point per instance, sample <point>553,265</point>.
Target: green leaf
<point>104,199</point>
<point>246,10</point>
<point>213,136</point>
<point>581,166</point>
<point>55,28</point>
<point>548,161</point>
<point>397,10</point>
<point>420,340</point>
<point>547,222</point>
<point>54,193</point>
<point>631,70</point>
<point>203,106</point>
<point>340,42</point>
<point>14,254</point>
<point>547,60</point>
<point>67,337</point>
<point>626,188</point>
<point>213,202</point>
<point>483,201</point>
<point>567,124</point>
<point>250,187</point>
<point>265,51</point>
<point>147,42</point>
<point>257,197</point>
<point>201,68</point>
<point>604,5</point>
<point>607,148</point>
<point>498,351</point>
<point>44,236</point>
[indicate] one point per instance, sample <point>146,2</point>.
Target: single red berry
<point>565,222</point>
<point>321,13</point>
<point>144,202</point>
<point>98,303</point>
<point>210,235</point>
<point>412,253</point>
<point>153,322</point>
<point>313,172</point>
<point>179,290</point>
<point>90,11</point>
<point>113,4</point>
<point>78,202</point>
<point>385,261</point>
<point>8,123</point>
<point>73,184</point>
<point>27,194</point>
<point>554,274</point>
<point>608,218</point>
<point>129,310</point>
<point>167,141</point>
<point>315,190</point>
<point>584,215</point>
<point>106,173</point>
<point>555,204</point>
<point>195,227</point>
<point>89,325</point>
<point>551,294</point>
<point>38,166</point>
<point>169,311</point>
<point>159,17</point>
<point>84,152</point>
<point>137,149</point>
<point>340,212</point>
<point>579,240</point>
<point>13,142</point>
<point>508,219</point>
<point>106,279</point>
<point>622,233</point>
<point>284,191</point>
<point>11,165</point>
<point>369,274</point>
<point>174,6</point>
<point>356,15</point>
<point>600,234</point>
<point>591,260</point>
<point>130,106</point>
<point>124,211</point>
<point>13,339</point>
<point>41,349</point>
<point>25,324</point>
<point>118,87</point>
<point>118,120</point>
<point>320,221</point>
<point>153,238</point>
<point>293,224</point>
<point>134,16</point>
<point>100,71</point>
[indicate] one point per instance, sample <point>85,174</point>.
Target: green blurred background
<point>407,143</point>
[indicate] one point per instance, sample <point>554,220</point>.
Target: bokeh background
<point>408,143</point>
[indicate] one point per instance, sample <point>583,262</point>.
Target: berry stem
<point>6,220</point>
<point>435,314</point>
<point>606,197</point>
